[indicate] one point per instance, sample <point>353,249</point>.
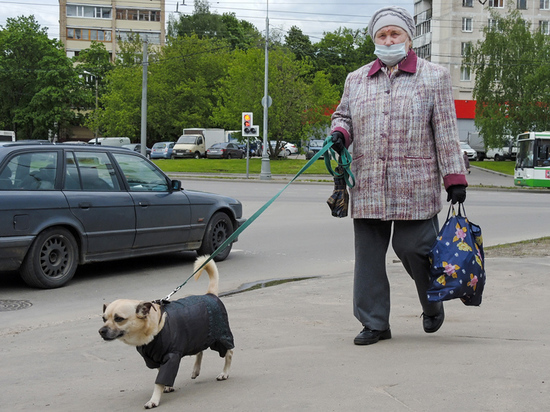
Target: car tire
<point>287,152</point>
<point>52,259</point>
<point>309,154</point>
<point>219,228</point>
<point>229,156</point>
<point>197,155</point>
<point>497,157</point>
<point>172,157</point>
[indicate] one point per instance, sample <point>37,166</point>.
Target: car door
<point>163,216</point>
<point>97,199</point>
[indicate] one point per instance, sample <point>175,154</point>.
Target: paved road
<point>294,341</point>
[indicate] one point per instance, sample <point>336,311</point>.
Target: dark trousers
<point>411,241</point>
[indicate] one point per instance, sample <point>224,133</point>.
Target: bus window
<point>525,154</point>
<point>543,154</point>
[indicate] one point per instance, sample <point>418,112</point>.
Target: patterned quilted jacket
<point>405,139</point>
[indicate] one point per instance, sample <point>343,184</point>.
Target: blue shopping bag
<point>457,268</point>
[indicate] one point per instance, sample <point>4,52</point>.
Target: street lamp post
<point>96,105</point>
<point>266,167</point>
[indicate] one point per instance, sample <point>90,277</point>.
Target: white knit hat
<point>391,16</point>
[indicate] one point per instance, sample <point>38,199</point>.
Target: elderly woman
<point>398,112</point>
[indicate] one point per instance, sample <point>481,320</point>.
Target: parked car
<point>465,147</point>
<point>163,150</point>
<point>136,147</point>
<point>283,150</point>
<point>254,149</point>
<point>313,147</point>
<point>65,205</point>
<point>290,148</point>
<point>224,150</point>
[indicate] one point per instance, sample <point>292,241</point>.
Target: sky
<point>313,17</point>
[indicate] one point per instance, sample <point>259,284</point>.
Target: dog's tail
<point>212,271</point>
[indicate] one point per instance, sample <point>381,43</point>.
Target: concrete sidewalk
<point>294,351</point>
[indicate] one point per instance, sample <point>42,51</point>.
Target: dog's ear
<point>143,309</point>
<point>104,307</point>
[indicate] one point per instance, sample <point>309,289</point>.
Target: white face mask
<point>390,55</point>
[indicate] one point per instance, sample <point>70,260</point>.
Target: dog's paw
<point>151,405</point>
<point>168,389</point>
<point>195,374</point>
<point>222,376</point>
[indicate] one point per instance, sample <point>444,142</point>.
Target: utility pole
<point>266,167</point>
<point>144,102</point>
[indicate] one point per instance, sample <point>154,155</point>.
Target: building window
<point>465,74</point>
<point>467,24</point>
<point>467,3</point>
<point>423,28</point>
<point>496,3</point>
<point>493,24</point>
<point>152,37</point>
<point>545,4</point>
<point>466,47</point>
<point>423,52</point>
<point>88,34</point>
<point>522,4</point>
<point>544,27</point>
<point>138,14</point>
<point>89,12</point>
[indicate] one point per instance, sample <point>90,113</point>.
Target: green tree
<point>512,79</point>
<point>343,51</point>
<point>181,80</point>
<point>183,83</point>
<point>298,102</point>
<point>38,84</point>
<point>299,44</point>
<point>239,33</point>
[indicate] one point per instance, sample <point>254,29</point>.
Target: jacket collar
<point>408,64</point>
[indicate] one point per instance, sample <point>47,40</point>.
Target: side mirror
<point>176,185</point>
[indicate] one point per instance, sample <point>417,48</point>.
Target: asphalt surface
<point>294,351</point>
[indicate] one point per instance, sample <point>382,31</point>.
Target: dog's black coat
<point>192,325</point>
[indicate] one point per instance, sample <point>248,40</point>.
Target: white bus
<point>533,160</point>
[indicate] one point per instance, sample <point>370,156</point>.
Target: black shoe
<point>368,337</point>
<point>433,323</point>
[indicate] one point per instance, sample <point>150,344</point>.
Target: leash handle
<point>344,160</point>
<point>252,218</point>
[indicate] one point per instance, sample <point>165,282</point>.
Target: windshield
<point>524,157</point>
<point>316,143</point>
<point>187,139</point>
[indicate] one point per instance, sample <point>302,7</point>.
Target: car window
<point>31,171</point>
<point>140,174</point>
<point>89,171</point>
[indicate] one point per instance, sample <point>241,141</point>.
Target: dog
<point>165,331</point>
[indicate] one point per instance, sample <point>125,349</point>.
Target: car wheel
<point>287,152</point>
<point>497,157</point>
<point>51,260</point>
<point>309,155</point>
<point>197,155</point>
<point>172,156</point>
<point>229,156</point>
<point>218,230</point>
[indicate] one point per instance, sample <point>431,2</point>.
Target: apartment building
<point>109,21</point>
<point>445,28</point>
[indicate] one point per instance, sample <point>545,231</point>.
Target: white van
<point>110,141</point>
<point>7,136</point>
